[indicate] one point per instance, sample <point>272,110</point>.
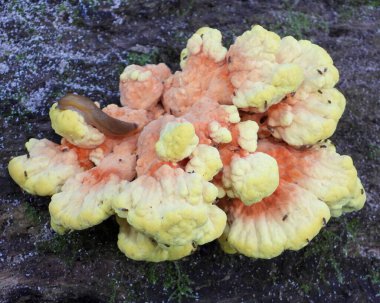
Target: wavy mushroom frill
<point>139,246</point>
<point>204,74</point>
<point>45,168</point>
<point>176,141</point>
<point>86,199</point>
<point>291,81</point>
<point>172,207</point>
<point>72,124</point>
<point>141,87</point>
<point>314,184</point>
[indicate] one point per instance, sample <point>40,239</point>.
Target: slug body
<point>94,116</point>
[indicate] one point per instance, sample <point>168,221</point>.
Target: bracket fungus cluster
<point>233,147</point>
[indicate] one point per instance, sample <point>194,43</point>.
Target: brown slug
<point>94,116</point>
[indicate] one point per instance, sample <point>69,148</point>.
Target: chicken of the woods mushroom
<point>234,146</point>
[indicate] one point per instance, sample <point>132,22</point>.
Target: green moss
<point>322,244</point>
<point>120,68</point>
<point>273,274</point>
<point>374,276</point>
<point>65,246</point>
<point>32,214</point>
<point>14,110</point>
<point>131,297</point>
<point>338,271</point>
<point>374,3</point>
<point>354,3</point>
<point>56,93</point>
<point>113,296</point>
<point>306,288</point>
<point>56,245</point>
<point>93,3</point>
<point>31,31</point>
<point>42,8</point>
<point>185,7</point>
<point>345,13</point>
<point>322,249</point>
<point>350,246</point>
<point>232,32</point>
<point>16,6</point>
<point>143,58</point>
<point>77,18</point>
<point>152,273</point>
<point>175,281</point>
<point>20,57</point>
<point>349,10</point>
<point>299,25</point>
<point>373,151</point>
<point>353,227</point>
<point>178,283</point>
<point>323,253</point>
<point>181,38</point>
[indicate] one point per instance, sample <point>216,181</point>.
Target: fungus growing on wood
<point>234,146</point>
